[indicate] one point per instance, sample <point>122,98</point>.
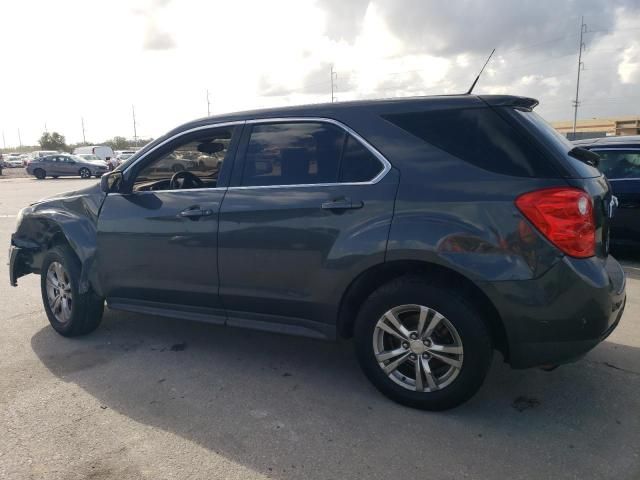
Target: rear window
<point>478,136</point>
<point>619,163</point>
<point>556,141</point>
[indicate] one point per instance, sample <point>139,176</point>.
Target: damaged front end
<point>69,218</point>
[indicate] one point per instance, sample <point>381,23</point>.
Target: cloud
<point>156,39</point>
<point>536,45</point>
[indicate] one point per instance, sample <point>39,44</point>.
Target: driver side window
<point>194,161</point>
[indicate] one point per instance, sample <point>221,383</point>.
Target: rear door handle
<point>196,212</point>
<point>342,204</point>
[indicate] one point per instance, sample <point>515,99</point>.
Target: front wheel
<point>70,312</point>
<point>40,174</point>
<point>85,173</point>
<point>421,345</point>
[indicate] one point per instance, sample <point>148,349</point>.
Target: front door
<point>157,240</point>
<point>309,205</point>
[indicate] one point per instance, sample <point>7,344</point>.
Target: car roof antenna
<point>482,70</point>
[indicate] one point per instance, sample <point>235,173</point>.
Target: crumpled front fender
<point>70,218</point>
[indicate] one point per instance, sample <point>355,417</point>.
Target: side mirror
<point>110,182</point>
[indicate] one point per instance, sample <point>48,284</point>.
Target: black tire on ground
<point>85,173</point>
<point>86,308</point>
<point>463,315</point>
<point>40,174</point>
<point>54,176</point>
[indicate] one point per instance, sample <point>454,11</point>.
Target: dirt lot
<point>152,398</point>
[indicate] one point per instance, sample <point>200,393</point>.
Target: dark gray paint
<point>284,262</point>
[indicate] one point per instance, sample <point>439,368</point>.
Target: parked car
<point>64,165</point>
<point>620,163</point>
<point>431,231</point>
<point>123,155</point>
<point>13,160</point>
<point>38,154</point>
<point>89,157</point>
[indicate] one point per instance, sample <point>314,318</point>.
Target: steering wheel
<point>185,179</point>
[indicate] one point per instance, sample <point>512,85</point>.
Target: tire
<point>85,173</point>
<point>460,329</point>
<point>40,174</point>
<point>55,176</point>
<point>84,311</point>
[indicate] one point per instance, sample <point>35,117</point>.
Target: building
<point>600,127</point>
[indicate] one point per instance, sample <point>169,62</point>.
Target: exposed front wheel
<point>39,173</point>
<point>421,345</point>
<point>85,173</point>
<point>70,313</point>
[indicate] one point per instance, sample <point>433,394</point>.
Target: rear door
<point>622,167</point>
<point>310,204</point>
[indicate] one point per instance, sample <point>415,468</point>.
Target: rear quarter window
<point>478,136</point>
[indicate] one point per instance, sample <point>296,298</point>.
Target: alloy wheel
<point>418,348</point>
<point>59,292</point>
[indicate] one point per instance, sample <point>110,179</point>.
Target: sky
<point>68,60</point>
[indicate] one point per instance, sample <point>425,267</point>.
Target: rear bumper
<point>562,315</point>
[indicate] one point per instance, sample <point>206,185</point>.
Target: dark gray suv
<point>430,230</point>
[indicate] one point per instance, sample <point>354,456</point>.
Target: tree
<point>118,143</point>
<point>53,141</point>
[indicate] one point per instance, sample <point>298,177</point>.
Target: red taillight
<point>564,216</point>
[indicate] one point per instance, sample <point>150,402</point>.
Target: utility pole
<point>334,76</point>
<point>135,132</point>
<point>4,142</point>
<point>208,104</point>
<point>19,138</point>
<point>576,102</point>
<point>84,140</point>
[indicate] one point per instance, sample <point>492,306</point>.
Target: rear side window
<point>358,163</point>
<point>478,136</point>
<point>619,163</point>
<point>306,153</point>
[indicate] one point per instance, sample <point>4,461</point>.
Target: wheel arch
<point>371,279</point>
<point>39,234</point>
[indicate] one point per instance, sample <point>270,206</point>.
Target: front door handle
<point>342,204</point>
<point>196,212</point>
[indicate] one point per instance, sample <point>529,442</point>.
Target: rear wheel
<point>422,345</point>
<point>85,173</point>
<point>70,313</point>
<point>55,176</point>
<point>39,173</point>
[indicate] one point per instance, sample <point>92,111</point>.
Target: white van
<point>101,151</point>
